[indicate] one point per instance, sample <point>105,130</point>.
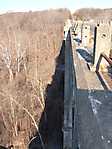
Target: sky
<point>26,5</point>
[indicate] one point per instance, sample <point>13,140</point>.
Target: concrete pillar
<point>78,30</point>
<point>85,35</point>
<point>102,43</point>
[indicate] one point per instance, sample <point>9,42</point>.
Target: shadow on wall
<point>84,54</point>
<point>78,40</point>
<point>94,117</point>
<point>51,122</point>
<point>9,147</point>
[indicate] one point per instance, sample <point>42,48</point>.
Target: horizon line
<point>47,9</point>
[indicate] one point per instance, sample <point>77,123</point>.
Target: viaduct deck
<point>87,105</point>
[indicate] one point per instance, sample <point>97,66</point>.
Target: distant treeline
<point>92,13</point>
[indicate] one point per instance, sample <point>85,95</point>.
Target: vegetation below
<point>29,45</point>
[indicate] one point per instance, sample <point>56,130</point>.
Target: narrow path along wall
<point>87,123</point>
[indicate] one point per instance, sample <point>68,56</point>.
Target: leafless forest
<point>91,13</point>
<point>29,45</point>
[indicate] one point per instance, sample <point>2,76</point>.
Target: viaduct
<point>88,89</point>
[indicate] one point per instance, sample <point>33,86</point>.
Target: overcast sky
<point>25,5</point>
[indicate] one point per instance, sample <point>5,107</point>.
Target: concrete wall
<point>102,43</point>
<point>80,127</point>
<point>85,35</point>
<point>68,95</point>
<point>78,29</point>
<point>82,29</point>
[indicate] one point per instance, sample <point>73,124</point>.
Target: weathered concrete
<point>85,35</point>
<point>78,29</point>
<point>68,95</point>
<point>87,106</point>
<point>88,129</point>
<point>102,43</point>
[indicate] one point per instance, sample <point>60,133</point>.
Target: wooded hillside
<point>91,13</point>
<point>29,45</point>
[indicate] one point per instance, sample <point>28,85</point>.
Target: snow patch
<point>95,103</point>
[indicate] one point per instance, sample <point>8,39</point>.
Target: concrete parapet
<point>85,127</point>
<point>68,95</point>
<point>84,101</point>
